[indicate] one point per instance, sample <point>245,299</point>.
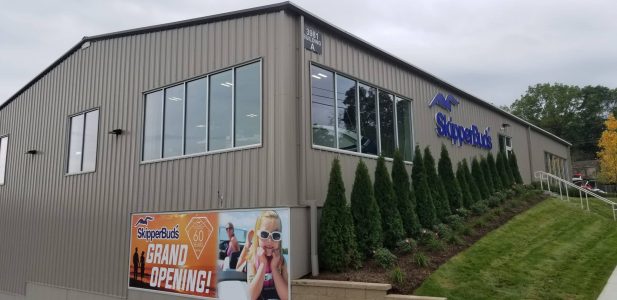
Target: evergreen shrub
<point>337,241</point>
<point>424,200</point>
<point>365,211</point>
<point>385,258</point>
<point>391,222</point>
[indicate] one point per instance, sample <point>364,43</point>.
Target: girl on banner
<point>266,268</point>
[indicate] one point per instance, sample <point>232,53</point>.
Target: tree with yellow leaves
<point>608,151</point>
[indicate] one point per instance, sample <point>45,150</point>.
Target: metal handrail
<point>543,175</point>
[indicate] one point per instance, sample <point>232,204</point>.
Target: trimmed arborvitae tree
<point>417,227</point>
<point>515,170</point>
<point>509,171</point>
<point>501,168</point>
<point>455,194</point>
<point>488,179</point>
<point>365,211</point>
<point>337,241</point>
<point>490,160</point>
<point>400,181</point>
<point>391,222</point>
<point>460,176</point>
<point>440,197</point>
<point>478,177</point>
<point>473,186</point>
<point>424,201</point>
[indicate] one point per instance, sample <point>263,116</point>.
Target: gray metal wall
<point>343,56</point>
<point>72,231</point>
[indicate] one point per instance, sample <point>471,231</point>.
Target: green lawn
<point>553,251</point>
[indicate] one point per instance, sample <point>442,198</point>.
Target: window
<point>505,144</point>
<point>4,144</point>
<point>352,116</point>
<point>556,165</point>
<point>83,142</point>
<point>216,112</point>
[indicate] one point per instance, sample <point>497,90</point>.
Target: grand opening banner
<point>235,254</point>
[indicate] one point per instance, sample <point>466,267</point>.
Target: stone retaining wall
<point>309,289</point>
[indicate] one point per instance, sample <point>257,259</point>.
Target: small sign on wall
<point>312,39</point>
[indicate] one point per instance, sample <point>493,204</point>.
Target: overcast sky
<point>491,49</point>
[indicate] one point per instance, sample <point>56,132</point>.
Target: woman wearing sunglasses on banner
<point>266,271</point>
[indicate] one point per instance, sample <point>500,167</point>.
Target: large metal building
<point>233,111</point>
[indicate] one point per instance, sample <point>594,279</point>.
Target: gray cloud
<point>491,49</point>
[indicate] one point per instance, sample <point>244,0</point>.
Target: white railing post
<point>587,199</point>
<point>560,192</point>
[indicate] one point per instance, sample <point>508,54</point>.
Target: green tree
<point>473,185</point>
<point>488,179</point>
<point>514,168</point>
<point>490,160</point>
<point>424,201</point>
<point>462,180</point>
<point>501,168</point>
<point>391,223</point>
<point>478,177</point>
<point>573,113</point>
<point>440,197</point>
<point>337,241</point>
<point>400,181</point>
<point>455,194</point>
<point>365,211</point>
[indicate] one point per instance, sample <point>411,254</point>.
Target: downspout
<point>530,157</point>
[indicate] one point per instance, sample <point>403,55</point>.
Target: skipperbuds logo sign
<point>458,134</point>
<point>443,102</point>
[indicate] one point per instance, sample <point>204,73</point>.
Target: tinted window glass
<point>90,141</point>
<point>76,144</point>
<point>153,126</point>
<point>174,120</point>
<point>403,119</point>
<point>322,107</point>
<point>368,119</point>
<point>247,107</point>
<point>386,124</point>
<point>220,112</point>
<point>346,113</point>
<point>196,110</point>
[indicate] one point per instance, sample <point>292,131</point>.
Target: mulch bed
<point>415,275</point>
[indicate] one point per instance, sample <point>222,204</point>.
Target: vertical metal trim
<point>164,92</point>
<point>83,143</point>
<point>378,122</point>
<point>184,87</point>
<point>336,143</point>
<point>358,123</point>
<point>261,91</point>
<point>233,107</point>
<point>396,141</point>
<point>413,128</point>
<point>208,91</point>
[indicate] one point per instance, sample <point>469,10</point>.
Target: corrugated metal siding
<point>550,146</point>
<point>341,56</point>
<point>72,231</point>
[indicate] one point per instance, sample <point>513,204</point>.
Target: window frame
<point>378,89</point>
<point>184,83</point>
<point>6,158</point>
<point>68,142</point>
<point>506,149</point>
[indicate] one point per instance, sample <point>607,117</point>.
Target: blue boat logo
<point>444,102</point>
<point>144,221</point>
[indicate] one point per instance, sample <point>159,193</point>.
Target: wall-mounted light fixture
<point>116,131</point>
<point>31,152</point>
<point>504,126</point>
